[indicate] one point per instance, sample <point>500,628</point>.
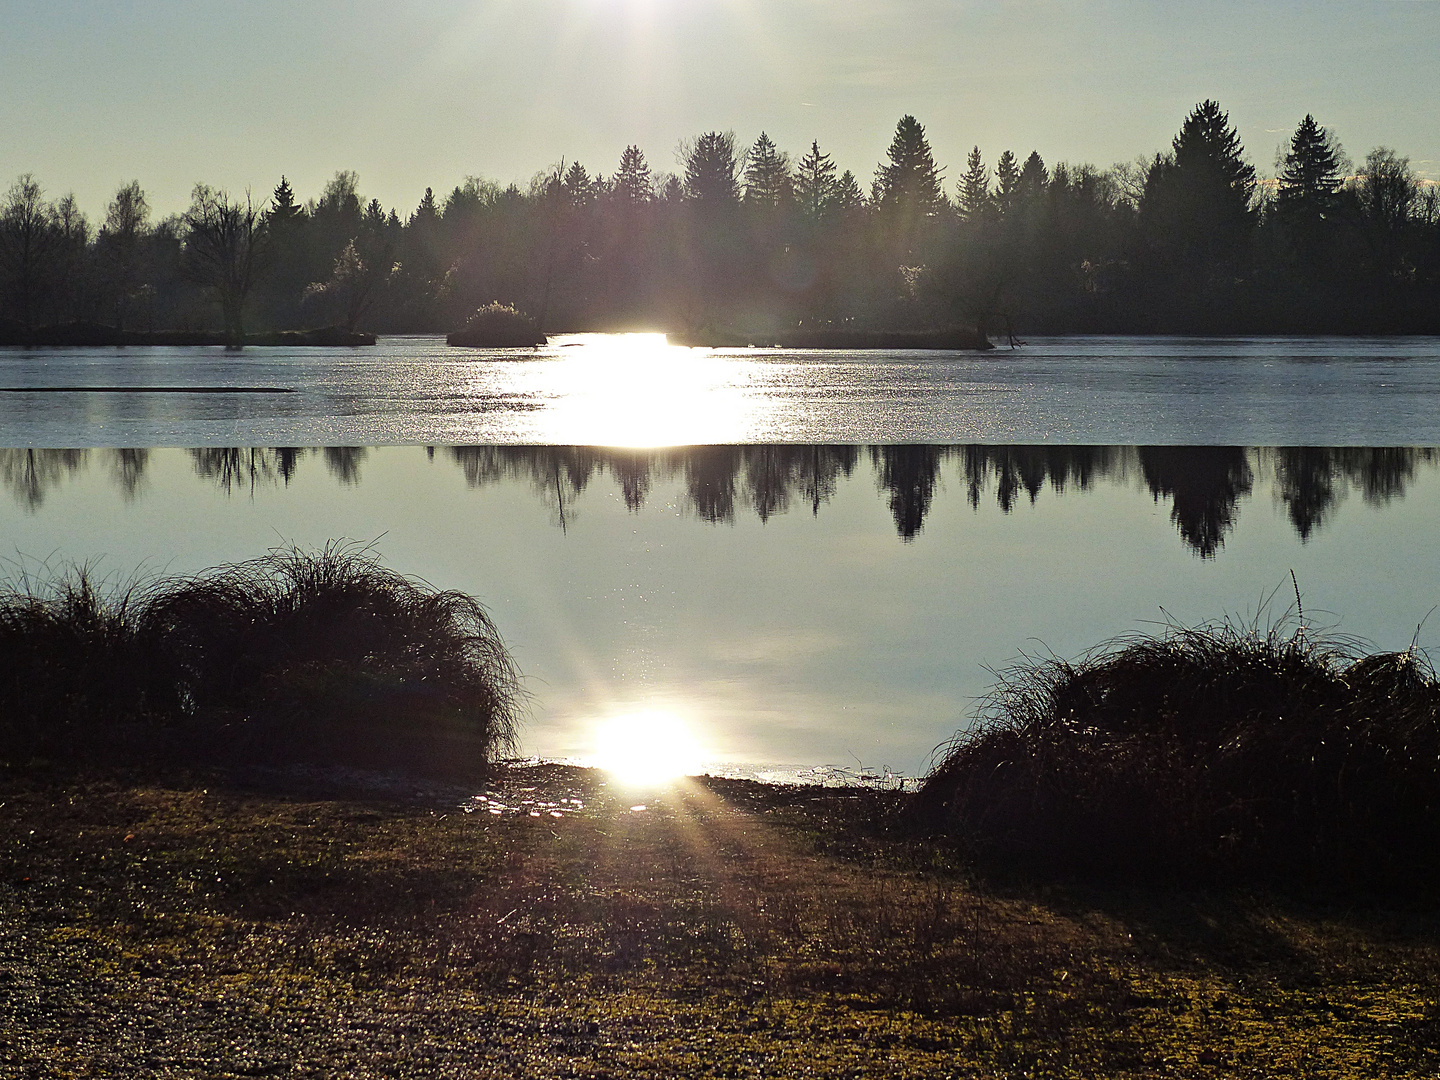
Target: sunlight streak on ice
<point>637,390</point>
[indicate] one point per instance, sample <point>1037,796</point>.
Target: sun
<point>646,749</point>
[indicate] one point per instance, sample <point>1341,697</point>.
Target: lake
<point>634,390</point>
<point>823,577</point>
<point>805,611</point>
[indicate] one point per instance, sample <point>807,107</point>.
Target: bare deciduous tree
<point>225,251</point>
<point>27,243</point>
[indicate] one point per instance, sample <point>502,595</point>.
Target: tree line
<point>1204,486</point>
<point>754,239</point>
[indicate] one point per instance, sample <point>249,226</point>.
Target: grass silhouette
<point>1215,752</point>
<point>291,657</point>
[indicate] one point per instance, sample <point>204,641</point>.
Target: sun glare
<point>637,390</point>
<point>646,749</point>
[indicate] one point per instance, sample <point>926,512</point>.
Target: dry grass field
<point>324,925</point>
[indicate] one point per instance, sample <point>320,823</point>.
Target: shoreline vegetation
<point>746,243</point>
<point>260,813</point>
<point>72,335</point>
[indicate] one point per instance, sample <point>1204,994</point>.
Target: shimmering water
<point>628,391</point>
<point>792,605</point>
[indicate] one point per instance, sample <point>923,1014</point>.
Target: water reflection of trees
<point>1311,480</point>
<point>1205,486</point>
<point>718,481</point>
<point>30,475</point>
<point>237,468</point>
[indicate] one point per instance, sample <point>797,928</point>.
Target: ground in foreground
<point>326,925</point>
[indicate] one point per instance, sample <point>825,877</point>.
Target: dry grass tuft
<point>294,656</point>
<point>1218,751</point>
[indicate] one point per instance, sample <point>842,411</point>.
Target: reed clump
<point>498,326</point>
<point>325,657</point>
<point>1218,752</point>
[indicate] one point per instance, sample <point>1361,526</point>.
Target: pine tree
<point>815,183</point>
<point>767,174</point>
<point>632,183</point>
<point>910,183</point>
<point>975,197</point>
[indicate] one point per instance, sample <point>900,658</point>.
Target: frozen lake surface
<point>633,390</point>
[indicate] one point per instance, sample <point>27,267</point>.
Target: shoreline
<point>555,925</point>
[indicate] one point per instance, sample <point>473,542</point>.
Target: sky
<point>417,93</point>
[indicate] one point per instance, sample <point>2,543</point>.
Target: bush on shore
<point>1208,753</point>
<point>320,658</point>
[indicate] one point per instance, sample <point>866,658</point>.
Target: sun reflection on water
<point>638,390</point>
<point>646,749</point>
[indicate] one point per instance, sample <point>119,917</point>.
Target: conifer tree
<point>426,212</point>
<point>1309,179</point>
<point>712,170</point>
<point>577,187</point>
<point>632,183</point>
<point>1007,175</point>
<point>848,198</point>
<point>767,174</point>
<point>283,207</point>
<point>1196,200</point>
<point>1034,178</point>
<point>975,197</point>
<point>910,183</point>
<point>815,183</point>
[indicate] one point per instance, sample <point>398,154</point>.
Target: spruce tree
<point>815,183</point>
<point>848,198</point>
<point>1007,174</point>
<point>975,197</point>
<point>910,183</point>
<point>712,170</point>
<point>283,207</point>
<point>632,183</point>
<point>1034,178</point>
<point>1196,200</point>
<point>577,187</point>
<point>767,174</point>
<point>1309,179</point>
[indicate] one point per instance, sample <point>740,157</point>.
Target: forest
<point>753,240</point>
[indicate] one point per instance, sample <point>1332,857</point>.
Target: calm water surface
<point>792,605</point>
<point>629,391</point>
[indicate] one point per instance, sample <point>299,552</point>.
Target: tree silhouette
<point>974,188</point>
<point>120,240</point>
<point>815,183</point>
<point>224,251</point>
<point>907,189</point>
<point>27,246</point>
<point>1204,484</point>
<point>1197,200</point>
<point>909,473</point>
<point>767,175</point>
<point>632,184</point>
<point>712,171</point>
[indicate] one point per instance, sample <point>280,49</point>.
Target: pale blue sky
<point>411,93</point>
